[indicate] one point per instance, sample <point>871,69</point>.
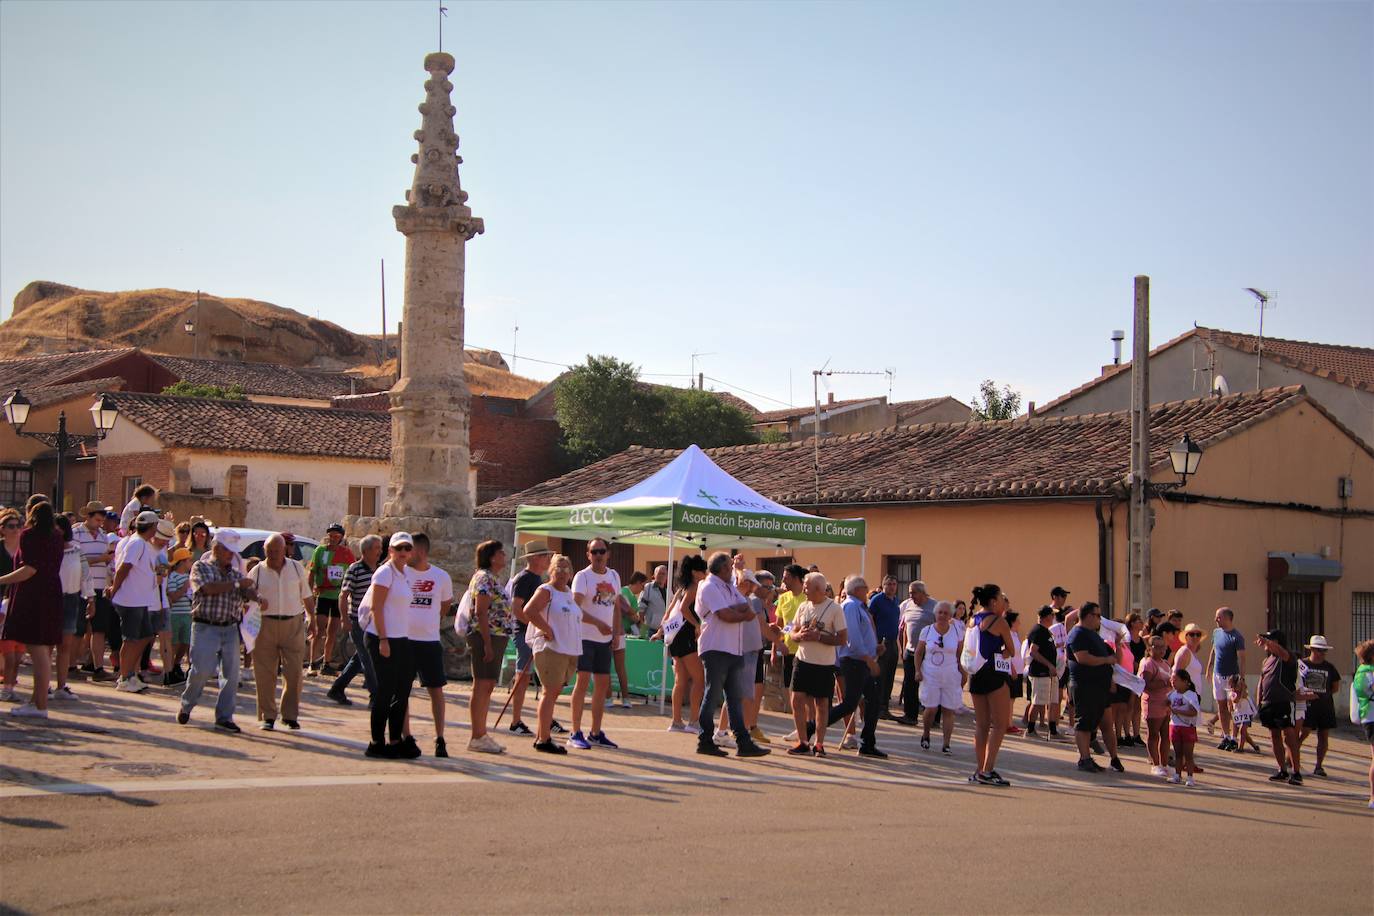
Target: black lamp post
<point>104,413</point>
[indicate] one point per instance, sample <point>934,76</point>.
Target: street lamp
<point>104,413</point>
<point>1185,456</point>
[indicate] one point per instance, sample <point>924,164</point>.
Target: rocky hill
<point>52,317</point>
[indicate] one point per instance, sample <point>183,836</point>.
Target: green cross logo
<point>704,495</point>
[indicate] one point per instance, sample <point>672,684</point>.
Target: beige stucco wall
<point>1179,373</point>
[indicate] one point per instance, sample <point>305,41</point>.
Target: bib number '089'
<point>1003,665</point>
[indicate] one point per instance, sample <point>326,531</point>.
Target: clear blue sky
<point>954,190</point>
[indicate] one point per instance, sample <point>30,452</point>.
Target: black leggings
<point>394,677</point>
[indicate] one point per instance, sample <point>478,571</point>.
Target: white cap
<point>402,537</point>
<point>229,540</point>
<point>747,575</point>
<point>145,518</point>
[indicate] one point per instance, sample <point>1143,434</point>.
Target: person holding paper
<point>1090,682</point>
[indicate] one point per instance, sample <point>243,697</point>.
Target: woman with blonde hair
<point>554,636</point>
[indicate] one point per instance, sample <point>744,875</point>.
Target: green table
<point>643,666</point>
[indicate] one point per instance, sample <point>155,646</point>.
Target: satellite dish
<point>1219,386</point>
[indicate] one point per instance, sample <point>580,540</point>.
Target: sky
<point>953,191</point>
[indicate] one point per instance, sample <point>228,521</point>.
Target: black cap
<point>1059,591</point>
<point>1275,636</point>
<point>335,527</point>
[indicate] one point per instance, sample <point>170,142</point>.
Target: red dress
<point>35,606</point>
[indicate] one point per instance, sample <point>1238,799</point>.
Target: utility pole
<point>383,310</point>
<point>1262,302</point>
<point>1139,553</point>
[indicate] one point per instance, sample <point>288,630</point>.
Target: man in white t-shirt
<point>431,596</point>
<point>136,597</point>
<point>818,629</point>
<point>596,590</point>
<point>97,547</point>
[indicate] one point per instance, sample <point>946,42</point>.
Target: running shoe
<point>228,725</point>
<point>1157,770</point>
<point>296,726</point>
<point>558,728</point>
<point>625,704</point>
<point>65,694</point>
<point>1013,729</point>
<point>1318,771</point>
<point>792,736</point>
<point>799,750</point>
<point>925,744</point>
<point>375,750</point>
<point>520,728</point>
<point>99,674</point>
<point>485,745</point>
<point>600,740</point>
<point>694,728</point>
<point>760,738</point>
<point>29,711</point>
<point>677,727</point>
<point>945,749</point>
<point>1115,764</point>
<point>818,750</point>
<point>1225,744</point>
<point>873,752</point>
<point>579,742</point>
<point>1096,747</point>
<point>1279,776</point>
<point>750,749</point>
<point>904,720</point>
<point>723,739</point>
<point>406,750</point>
<point>267,725</point>
<point>131,685</point>
<point>710,750</point>
<point>548,747</point>
<point>183,716</point>
<point>440,747</point>
<point>1089,765</point>
<point>1174,779</point>
<point>994,778</point>
<point>1032,733</point>
<point>1295,779</point>
<point>849,743</point>
<point>1190,783</point>
<point>339,697</point>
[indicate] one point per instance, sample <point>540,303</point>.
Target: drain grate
<point>141,769</point>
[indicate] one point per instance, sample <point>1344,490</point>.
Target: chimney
<point>701,381</point>
<point>1117,338</point>
<point>830,397</point>
<point>1030,409</point>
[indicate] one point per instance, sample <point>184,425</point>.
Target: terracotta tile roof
<point>797,413</point>
<point>1347,365</point>
<point>1061,456</point>
<point>248,426</point>
<point>54,368</point>
<point>263,378</point>
<point>909,409</point>
<point>55,394</point>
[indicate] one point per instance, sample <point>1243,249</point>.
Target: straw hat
<point>535,548</point>
<point>1194,628</point>
<point>1319,642</point>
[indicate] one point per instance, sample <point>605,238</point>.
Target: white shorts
<point>941,692</point>
<point>1044,691</point>
<point>1221,688</point>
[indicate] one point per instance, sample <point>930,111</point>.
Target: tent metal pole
<point>663,672</point>
<point>863,560</point>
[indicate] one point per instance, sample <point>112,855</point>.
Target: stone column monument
<point>428,487</point>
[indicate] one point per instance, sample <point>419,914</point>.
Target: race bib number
<point>335,574</point>
<point>422,601</point>
<point>1003,665</point>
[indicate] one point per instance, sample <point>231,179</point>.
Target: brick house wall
<point>154,467</point>
<point>517,451</point>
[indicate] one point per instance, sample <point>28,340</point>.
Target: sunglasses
<point>1194,635</point>
<point>11,525</point>
<point>598,551</point>
<point>402,547</point>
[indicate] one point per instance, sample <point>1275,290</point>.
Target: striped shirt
<point>356,581</point>
<point>94,547</point>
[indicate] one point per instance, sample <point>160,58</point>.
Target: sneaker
<point>100,674</point>
<point>1089,765</point>
<point>625,704</point>
<point>600,740</point>
<point>1225,744</point>
<point>329,670</point>
<point>440,748</point>
<point>168,679</point>
<point>1014,730</point>
<point>143,679</point>
<point>1157,770</point>
<point>579,742</point>
<point>694,728</point>
<point>872,752</point>
<point>710,750</point>
<point>520,728</point>
<point>1096,747</point>
<point>994,778</point>
<point>723,739</point>
<point>65,694</point>
<point>548,747</point>
<point>1032,733</point>
<point>407,749</point>
<point>904,720</point>
<point>267,725</point>
<point>945,750</point>
<point>818,750</point>
<point>799,750</point>
<point>312,671</point>
<point>291,724</point>
<point>1173,779</point>
<point>228,725</point>
<point>1115,764</point>
<point>1190,783</point>
<point>379,751</point>
<point>183,716</point>
<point>925,742</point>
<point>1318,771</point>
<point>1295,779</point>
<point>339,697</point>
<point>131,685</point>
<point>849,743</point>
<point>750,749</point>
<point>558,728</point>
<point>1279,776</point>
<point>678,727</point>
<point>484,745</point>
<point>29,711</point>
<point>792,736</point>
<point>760,738</point>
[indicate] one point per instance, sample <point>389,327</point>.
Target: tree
<point>603,408</point>
<point>187,389</point>
<point>991,404</point>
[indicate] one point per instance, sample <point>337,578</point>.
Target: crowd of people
<point>81,588</point>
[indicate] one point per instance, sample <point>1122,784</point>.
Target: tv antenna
<point>816,399</point>
<point>696,379</point>
<point>1263,302</point>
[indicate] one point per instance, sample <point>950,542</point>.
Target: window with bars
<point>16,485</point>
<point>1298,613</point>
<point>776,565</point>
<point>290,495</point>
<point>1361,616</point>
<point>1180,578</point>
<point>905,570</point>
<point>1230,582</point>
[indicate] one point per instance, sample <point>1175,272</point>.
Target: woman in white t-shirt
<point>555,638</point>
<point>939,672</point>
<point>385,616</point>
